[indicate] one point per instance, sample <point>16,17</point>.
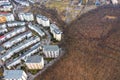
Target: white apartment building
<point>26,16</point>
<point>44,21</point>
<point>35,48</point>
<point>39,19</point>
<point>12,33</point>
<point>6,7</point>
<point>20,47</point>
<point>15,75</point>
<point>17,39</point>
<point>23,2</point>
<point>35,62</point>
<point>36,29</point>
<point>57,34</point>
<point>51,51</point>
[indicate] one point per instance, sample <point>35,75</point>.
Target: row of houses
<point>16,23</point>
<point>36,29</point>
<point>35,48</point>
<point>19,47</point>
<point>17,39</point>
<point>42,20</point>
<point>22,2</point>
<point>26,16</point>
<point>12,33</point>
<point>6,17</point>
<point>5,5</point>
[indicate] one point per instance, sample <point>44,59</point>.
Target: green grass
<point>33,71</point>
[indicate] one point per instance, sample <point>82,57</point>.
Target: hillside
<point>92,48</point>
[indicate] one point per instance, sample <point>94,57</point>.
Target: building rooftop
<point>1,48</point>
<point>40,16</point>
<point>34,59</point>
<point>50,47</point>
<point>13,74</point>
<point>44,18</point>
<point>37,29</point>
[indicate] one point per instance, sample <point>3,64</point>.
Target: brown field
<point>92,48</point>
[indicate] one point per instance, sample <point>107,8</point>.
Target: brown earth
<point>92,48</point>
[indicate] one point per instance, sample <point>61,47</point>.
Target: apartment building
<point>44,21</point>
<point>51,51</point>
<point>14,75</point>
<point>17,39</point>
<point>36,29</point>
<point>35,62</point>
<point>57,34</point>
<point>26,16</point>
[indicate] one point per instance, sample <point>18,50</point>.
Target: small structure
<point>57,34</point>
<point>36,29</point>
<point>15,75</point>
<point>26,16</point>
<point>35,62</point>
<point>44,21</point>
<point>51,51</point>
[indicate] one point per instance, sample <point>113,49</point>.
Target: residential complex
<point>23,39</point>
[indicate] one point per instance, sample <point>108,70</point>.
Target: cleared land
<point>92,48</point>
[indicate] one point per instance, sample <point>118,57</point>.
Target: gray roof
<point>34,59</point>
<point>50,48</point>
<point>13,74</point>
<point>1,48</point>
<point>44,18</point>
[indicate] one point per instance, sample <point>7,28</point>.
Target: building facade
<point>51,51</point>
<point>15,75</point>
<point>57,34</point>
<point>35,62</point>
